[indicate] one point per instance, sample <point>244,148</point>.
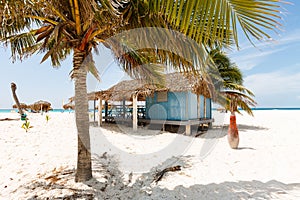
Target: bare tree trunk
<point>13,89</point>
<point>233,133</point>
<point>84,166</point>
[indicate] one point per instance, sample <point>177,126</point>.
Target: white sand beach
<point>40,163</point>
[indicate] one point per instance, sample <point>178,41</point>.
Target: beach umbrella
<point>69,106</point>
<point>41,105</point>
<point>22,106</point>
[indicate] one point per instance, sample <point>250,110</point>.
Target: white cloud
<point>292,37</point>
<point>275,88</point>
<point>249,56</point>
<point>249,59</point>
<point>274,83</point>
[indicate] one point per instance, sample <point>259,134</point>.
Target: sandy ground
<point>40,163</point>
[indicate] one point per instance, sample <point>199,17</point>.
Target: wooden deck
<point>202,122</point>
<point>186,123</point>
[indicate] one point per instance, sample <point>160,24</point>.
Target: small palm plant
<point>243,99</point>
<point>47,118</point>
<point>26,126</point>
<point>235,94</point>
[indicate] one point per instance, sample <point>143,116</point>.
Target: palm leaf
<point>206,20</point>
<point>21,44</point>
<point>237,99</point>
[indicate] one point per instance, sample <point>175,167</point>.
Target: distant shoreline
<point>269,108</point>
<point>7,110</point>
<point>16,110</point>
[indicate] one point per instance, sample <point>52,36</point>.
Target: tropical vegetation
<point>75,27</point>
<point>236,95</point>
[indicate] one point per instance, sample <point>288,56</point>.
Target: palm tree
<point>13,90</point>
<point>236,95</point>
<point>60,28</point>
<point>243,101</point>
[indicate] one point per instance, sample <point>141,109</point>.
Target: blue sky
<point>271,70</point>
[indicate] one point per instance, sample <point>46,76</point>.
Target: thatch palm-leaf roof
<point>22,106</point>
<point>174,82</point>
<point>44,105</point>
<point>69,106</point>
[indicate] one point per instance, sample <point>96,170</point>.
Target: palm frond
<point>229,87</point>
<point>237,99</point>
<point>205,20</point>
<point>22,45</point>
<point>91,67</point>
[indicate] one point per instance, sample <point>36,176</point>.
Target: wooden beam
<point>134,113</point>
<point>123,108</point>
<point>99,112</point>
<point>94,110</point>
<point>106,110</point>
<point>187,112</point>
<point>198,106</point>
<point>204,107</point>
<point>188,130</point>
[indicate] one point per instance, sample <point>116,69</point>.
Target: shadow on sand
<point>245,127</point>
<point>112,184</point>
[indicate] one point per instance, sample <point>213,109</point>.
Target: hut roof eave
<point>174,82</point>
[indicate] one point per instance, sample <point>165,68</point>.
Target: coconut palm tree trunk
<point>84,168</point>
<point>13,89</point>
<point>233,133</point>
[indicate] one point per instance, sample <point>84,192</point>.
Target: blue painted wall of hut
<point>177,106</point>
<point>208,108</point>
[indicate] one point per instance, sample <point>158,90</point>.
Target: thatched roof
<point>174,82</point>
<point>91,96</point>
<point>124,90</point>
<point>46,106</point>
<point>22,106</point>
<point>68,106</point>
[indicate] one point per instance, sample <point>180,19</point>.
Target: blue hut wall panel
<point>175,106</point>
<point>202,114</point>
<point>208,108</point>
<point>192,106</point>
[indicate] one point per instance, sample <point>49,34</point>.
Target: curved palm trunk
<point>13,89</point>
<point>233,133</point>
<point>84,167</point>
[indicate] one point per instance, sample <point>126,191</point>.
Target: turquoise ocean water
<point>270,109</point>
<point>91,110</point>
<point>15,110</point>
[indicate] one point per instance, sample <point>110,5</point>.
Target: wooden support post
<point>198,107</point>
<point>94,111</point>
<point>210,125</point>
<point>205,115</point>
<point>99,112</point>
<point>188,129</point>
<point>106,111</point>
<point>123,109</point>
<point>134,113</point>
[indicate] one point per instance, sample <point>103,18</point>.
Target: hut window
<point>162,96</point>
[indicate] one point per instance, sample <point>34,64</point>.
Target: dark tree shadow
<point>221,131</point>
<point>245,127</point>
<point>112,184</point>
<point>243,148</point>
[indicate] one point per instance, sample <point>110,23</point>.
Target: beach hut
<point>184,100</point>
<point>118,97</point>
<point>68,106</point>
<point>41,106</point>
<point>22,106</point>
<point>179,100</point>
